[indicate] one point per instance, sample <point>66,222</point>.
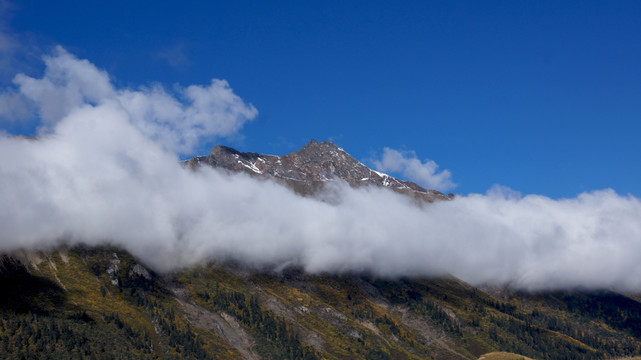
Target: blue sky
<point>541,97</point>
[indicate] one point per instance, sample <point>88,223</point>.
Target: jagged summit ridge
<point>310,168</point>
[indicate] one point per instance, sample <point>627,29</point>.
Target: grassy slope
<point>295,315</point>
<point>90,301</point>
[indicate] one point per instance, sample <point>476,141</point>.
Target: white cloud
<point>98,176</point>
<point>208,111</point>
<point>67,84</point>
<point>424,173</point>
<point>178,123</point>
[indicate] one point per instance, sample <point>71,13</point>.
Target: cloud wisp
<point>424,173</point>
<point>175,56</point>
<point>106,171</point>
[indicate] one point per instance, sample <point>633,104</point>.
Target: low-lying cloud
<point>103,173</point>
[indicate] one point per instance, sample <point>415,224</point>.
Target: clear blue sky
<point>540,96</point>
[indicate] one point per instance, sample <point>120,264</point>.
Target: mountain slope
<point>104,303</point>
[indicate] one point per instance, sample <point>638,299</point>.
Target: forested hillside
<point>101,303</point>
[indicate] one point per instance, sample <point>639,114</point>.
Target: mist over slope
<point>105,169</point>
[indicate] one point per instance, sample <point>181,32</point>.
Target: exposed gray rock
<point>113,269</point>
<point>140,271</point>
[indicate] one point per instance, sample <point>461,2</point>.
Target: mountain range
<point>103,303</point>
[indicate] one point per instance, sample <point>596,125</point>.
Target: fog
<point>105,170</point>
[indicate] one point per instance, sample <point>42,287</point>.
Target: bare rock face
<point>310,168</point>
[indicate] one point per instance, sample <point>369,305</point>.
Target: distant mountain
<point>310,168</point>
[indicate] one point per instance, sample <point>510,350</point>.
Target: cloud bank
<point>406,163</point>
<point>106,170</point>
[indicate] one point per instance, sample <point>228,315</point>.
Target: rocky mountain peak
<point>323,152</point>
<point>310,168</point>
<point>220,149</point>
<point>314,145</point>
